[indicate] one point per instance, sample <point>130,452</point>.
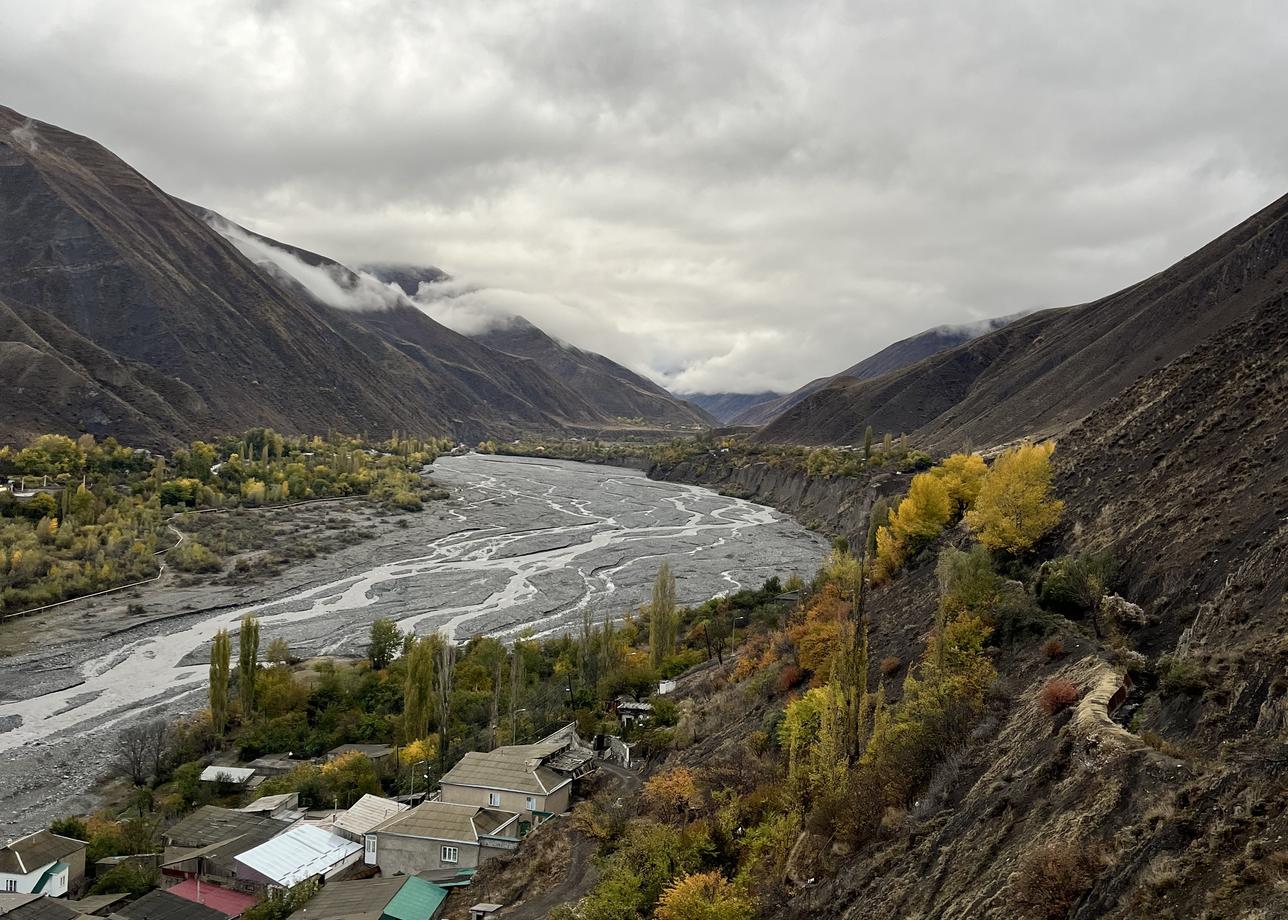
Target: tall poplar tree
<point>248,664</point>
<point>220,664</point>
<point>661,624</point>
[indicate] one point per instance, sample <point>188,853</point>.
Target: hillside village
<point>394,857</point>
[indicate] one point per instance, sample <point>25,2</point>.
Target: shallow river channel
<point>523,547</point>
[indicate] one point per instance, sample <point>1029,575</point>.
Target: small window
<point>530,803</point>
<point>450,854</point>
<point>10,885</point>
<point>494,798</point>
<point>371,845</point>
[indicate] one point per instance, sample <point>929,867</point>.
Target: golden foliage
<point>920,517</point>
<point>1015,508</point>
<point>703,896</point>
<point>673,793</point>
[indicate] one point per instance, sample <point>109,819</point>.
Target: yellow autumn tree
<point>1015,508</point>
<point>703,896</point>
<point>963,476</point>
<point>673,793</point>
<point>422,750</point>
<point>920,517</point>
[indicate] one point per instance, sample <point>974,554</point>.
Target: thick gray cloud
<point>727,196</point>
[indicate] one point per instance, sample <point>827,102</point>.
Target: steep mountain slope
<point>153,327</point>
<point>1041,374</point>
<point>579,387</point>
<point>891,358</point>
<point>525,393</point>
<point>1183,478</point>
<point>726,407</point>
<point>614,390</point>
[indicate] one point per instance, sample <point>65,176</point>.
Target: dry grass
<point>1052,879</point>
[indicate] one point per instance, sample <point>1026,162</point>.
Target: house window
<point>450,855</point>
<point>10,884</point>
<point>371,845</point>
<point>530,803</point>
<point>494,798</point>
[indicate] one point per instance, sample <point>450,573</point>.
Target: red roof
<point>231,903</point>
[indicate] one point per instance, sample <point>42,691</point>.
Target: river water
<point>522,548</point>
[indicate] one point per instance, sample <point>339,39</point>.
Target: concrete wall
<point>410,855</point>
<point>556,803</point>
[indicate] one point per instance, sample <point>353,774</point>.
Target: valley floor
<point>523,546</point>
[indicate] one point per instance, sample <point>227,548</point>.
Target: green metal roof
<point>48,874</point>
<point>417,899</point>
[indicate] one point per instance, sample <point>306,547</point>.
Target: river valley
<point>522,547</point>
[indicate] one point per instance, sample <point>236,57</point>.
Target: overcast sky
<point>732,197</point>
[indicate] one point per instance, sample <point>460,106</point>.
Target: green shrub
<point>1180,676</point>
<point>127,878</point>
<point>191,556</point>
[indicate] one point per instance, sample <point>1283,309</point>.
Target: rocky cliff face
<point>835,506</point>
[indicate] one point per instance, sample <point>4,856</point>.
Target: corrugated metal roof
<point>237,775</point>
<point>211,824</point>
<point>444,821</point>
<point>368,812</point>
<point>299,854</point>
<point>43,907</point>
<point>514,768</point>
<point>354,900</point>
<point>416,900</point>
<point>162,905</point>
<point>27,854</point>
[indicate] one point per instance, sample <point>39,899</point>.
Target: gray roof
<point>12,899</point>
<point>211,824</point>
<point>95,903</point>
<point>27,854</point>
<point>514,768</point>
<point>355,900</point>
<point>45,908</point>
<point>444,821</point>
<point>366,813</point>
<point>162,905</point>
<point>373,751</point>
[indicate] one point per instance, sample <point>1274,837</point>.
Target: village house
<point>42,863</point>
<point>400,897</point>
<point>364,815</point>
<point>205,844</point>
<point>297,855</point>
<point>441,835</point>
<point>533,780</point>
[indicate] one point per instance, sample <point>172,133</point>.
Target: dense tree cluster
<point>98,513</point>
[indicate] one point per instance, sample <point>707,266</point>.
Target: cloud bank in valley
<point>726,196</point>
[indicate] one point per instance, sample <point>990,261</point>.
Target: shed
<point>484,910</point>
<point>299,854</point>
<point>236,776</point>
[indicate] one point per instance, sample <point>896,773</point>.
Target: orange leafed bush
<point>1058,694</point>
<point>1053,648</point>
<point>789,677</point>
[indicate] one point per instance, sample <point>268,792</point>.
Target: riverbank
<point>523,546</point>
